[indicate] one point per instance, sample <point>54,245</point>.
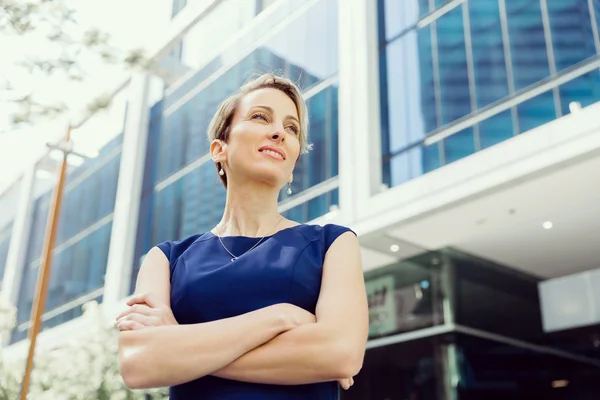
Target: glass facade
<point>406,296</point>
<point>490,369</point>
<point>477,55</point>
<point>467,367</point>
<point>182,194</point>
<point>82,240</point>
<point>493,346</point>
<point>412,370</point>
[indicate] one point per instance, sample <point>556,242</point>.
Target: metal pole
<point>43,279</point>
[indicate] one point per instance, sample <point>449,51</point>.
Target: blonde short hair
<point>220,124</point>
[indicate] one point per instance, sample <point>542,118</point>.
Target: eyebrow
<point>269,109</point>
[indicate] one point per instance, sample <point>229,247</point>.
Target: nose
<point>278,134</point>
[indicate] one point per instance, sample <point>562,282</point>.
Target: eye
<point>259,115</point>
<point>293,129</point>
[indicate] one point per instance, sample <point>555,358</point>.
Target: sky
<point>130,23</point>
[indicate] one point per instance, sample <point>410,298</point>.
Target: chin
<point>268,176</point>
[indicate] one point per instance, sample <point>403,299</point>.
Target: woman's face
<point>263,142</point>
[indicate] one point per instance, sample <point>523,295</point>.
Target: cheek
<point>294,148</point>
<point>241,139</point>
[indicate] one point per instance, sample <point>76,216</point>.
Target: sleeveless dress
<point>206,286</point>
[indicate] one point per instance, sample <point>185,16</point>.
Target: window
<point>585,90</point>
<point>455,96</point>
<point>571,31</point>
<point>496,370</point>
<point>405,296</point>
<point>496,299</point>
<point>409,370</point>
<point>489,62</point>
<point>474,56</point>
<point>527,42</point>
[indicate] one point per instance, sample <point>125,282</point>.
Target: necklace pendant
<point>234,258</point>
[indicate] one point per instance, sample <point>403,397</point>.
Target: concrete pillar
<point>129,188</point>
<point>359,126</point>
<point>15,262</point>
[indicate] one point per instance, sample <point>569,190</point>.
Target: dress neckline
<point>255,237</point>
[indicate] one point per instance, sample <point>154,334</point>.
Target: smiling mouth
<point>273,154</point>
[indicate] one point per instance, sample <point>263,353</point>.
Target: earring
<point>289,191</point>
<point>221,172</point>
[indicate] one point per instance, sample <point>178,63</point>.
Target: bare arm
<point>330,349</point>
<point>175,354</point>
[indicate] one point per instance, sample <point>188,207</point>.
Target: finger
<point>124,313</point>
<point>129,326</point>
<point>145,298</point>
<point>138,309</point>
<point>351,381</point>
<point>140,318</point>
<point>142,309</point>
<point>345,384</point>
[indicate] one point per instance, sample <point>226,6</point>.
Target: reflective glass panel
<point>585,90</point>
<point>405,296</point>
<point>535,112</point>
<point>400,15</point>
<point>408,165</point>
<point>571,30</point>
<point>459,145</point>
<point>596,10</point>
<point>496,129</point>
<point>452,64</point>
<point>314,208</point>
<point>401,371</point>
<point>491,369</point>
<point>408,108</point>
<point>527,42</point>
<point>489,64</point>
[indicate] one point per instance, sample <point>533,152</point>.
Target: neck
<point>249,211</point>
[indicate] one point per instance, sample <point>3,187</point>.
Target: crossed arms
<point>280,344</point>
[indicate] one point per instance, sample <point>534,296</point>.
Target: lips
<point>273,152</point>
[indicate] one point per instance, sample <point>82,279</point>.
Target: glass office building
<point>485,70</point>
<point>451,78</point>
<point>179,172</point>
<point>446,325</point>
<point>82,239</point>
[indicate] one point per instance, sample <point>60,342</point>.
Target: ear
<point>218,151</point>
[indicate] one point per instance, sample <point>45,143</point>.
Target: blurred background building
<point>460,139</point>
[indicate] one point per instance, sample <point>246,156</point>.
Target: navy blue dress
<point>207,286</point>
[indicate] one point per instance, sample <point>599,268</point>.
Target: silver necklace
<point>234,257</point>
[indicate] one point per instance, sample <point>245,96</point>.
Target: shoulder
<point>173,249</point>
<point>325,234</point>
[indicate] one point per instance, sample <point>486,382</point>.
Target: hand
<point>144,311</point>
<point>346,383</point>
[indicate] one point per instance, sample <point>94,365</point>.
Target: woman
<point>260,307</point>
